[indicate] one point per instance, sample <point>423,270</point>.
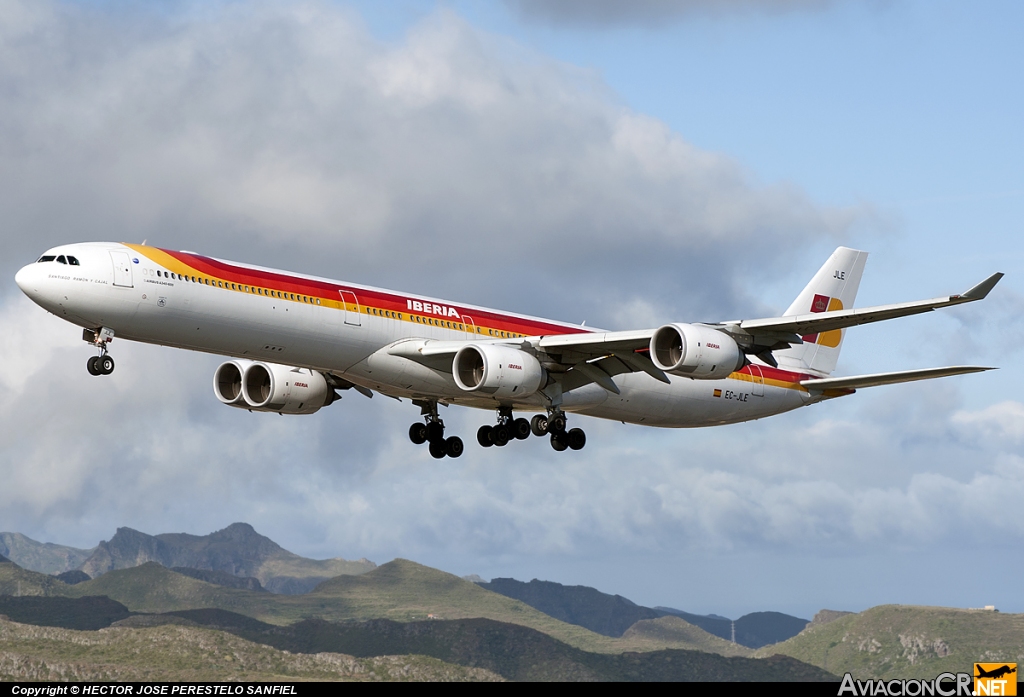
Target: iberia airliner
<point>295,340</point>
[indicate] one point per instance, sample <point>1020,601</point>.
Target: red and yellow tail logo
<point>823,303</point>
<point>995,679</point>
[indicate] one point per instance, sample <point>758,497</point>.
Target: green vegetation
<point>673,631</point>
<point>175,653</point>
<point>17,581</point>
<point>905,641</point>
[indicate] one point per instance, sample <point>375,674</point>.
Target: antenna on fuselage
<point>144,241</point>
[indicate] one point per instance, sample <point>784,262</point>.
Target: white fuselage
<point>189,301</point>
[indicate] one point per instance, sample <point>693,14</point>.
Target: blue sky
<point>698,165</point>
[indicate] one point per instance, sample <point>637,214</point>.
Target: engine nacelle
<point>271,387</point>
<point>695,352</point>
<point>501,372</point>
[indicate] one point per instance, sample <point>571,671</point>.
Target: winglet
<point>979,291</point>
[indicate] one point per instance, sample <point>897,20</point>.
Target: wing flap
<point>876,379</point>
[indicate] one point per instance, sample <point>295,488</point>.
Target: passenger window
<point>73,261</point>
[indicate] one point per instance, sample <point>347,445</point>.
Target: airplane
<point>295,341</point>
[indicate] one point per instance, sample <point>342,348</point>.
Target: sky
<point>623,164</point>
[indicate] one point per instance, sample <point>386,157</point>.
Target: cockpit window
<point>61,259</point>
<point>46,258</point>
<point>73,261</point>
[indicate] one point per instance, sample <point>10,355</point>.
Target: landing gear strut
<point>432,432</point>
<point>102,364</point>
<point>552,424</point>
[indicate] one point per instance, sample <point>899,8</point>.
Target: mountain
<point>612,615</point>
<point>599,612</point>
<point>72,577</point>
<point>220,578</point>
<point>17,581</point>
<point>905,641</point>
<point>237,550</point>
<point>44,557</point>
<point>399,590</point>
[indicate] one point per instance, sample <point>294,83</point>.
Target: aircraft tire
<point>576,438</point>
<point>435,432</point>
<point>105,364</point>
<point>500,436</point>
<point>418,433</point>
<point>453,447</point>
<point>483,436</point>
<point>539,425</point>
<point>437,449</point>
<point>556,424</point>
<point>558,442</point>
<point>91,365</point>
<point>521,429</point>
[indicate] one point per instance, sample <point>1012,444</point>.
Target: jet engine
<point>498,371</point>
<point>261,386</point>
<point>695,352</point>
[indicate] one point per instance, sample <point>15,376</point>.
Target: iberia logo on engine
<point>995,679</point>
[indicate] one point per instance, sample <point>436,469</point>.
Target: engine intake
<point>695,352</point>
<point>499,371</point>
<point>271,387</point>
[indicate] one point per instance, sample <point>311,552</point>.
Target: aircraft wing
<point>815,323</point>
<point>876,379</point>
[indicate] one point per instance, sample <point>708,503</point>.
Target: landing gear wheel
<point>520,429</point>
<point>435,432</point>
<point>453,447</point>
<point>539,425</point>
<point>92,367</point>
<point>483,436</point>
<point>576,438</point>
<point>437,449</point>
<point>105,364</point>
<point>556,423</point>
<point>558,442</point>
<point>418,433</point>
<point>500,435</point>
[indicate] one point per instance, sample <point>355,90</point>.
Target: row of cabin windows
<point>302,298</point>
<point>457,325</point>
<point>70,260</point>
<point>239,287</point>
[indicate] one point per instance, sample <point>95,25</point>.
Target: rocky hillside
<point>237,550</point>
<point>904,641</point>
<point>44,557</point>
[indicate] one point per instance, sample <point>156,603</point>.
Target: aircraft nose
<point>27,280</point>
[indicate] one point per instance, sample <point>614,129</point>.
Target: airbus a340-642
<point>296,340</point>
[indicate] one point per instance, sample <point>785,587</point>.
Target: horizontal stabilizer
<point>858,381</point>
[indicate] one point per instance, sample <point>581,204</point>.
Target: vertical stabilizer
<point>834,287</point>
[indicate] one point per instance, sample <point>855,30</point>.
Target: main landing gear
<point>552,425</point>
<point>432,432</point>
<point>102,364</point>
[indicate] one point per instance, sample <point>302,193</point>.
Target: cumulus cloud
<point>611,13</point>
<point>453,163</point>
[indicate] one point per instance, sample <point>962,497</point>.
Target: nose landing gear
<point>432,432</point>
<point>102,364</point>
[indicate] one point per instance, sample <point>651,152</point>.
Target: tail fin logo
<point>823,303</point>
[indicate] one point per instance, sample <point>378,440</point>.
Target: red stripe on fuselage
<point>368,298</point>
